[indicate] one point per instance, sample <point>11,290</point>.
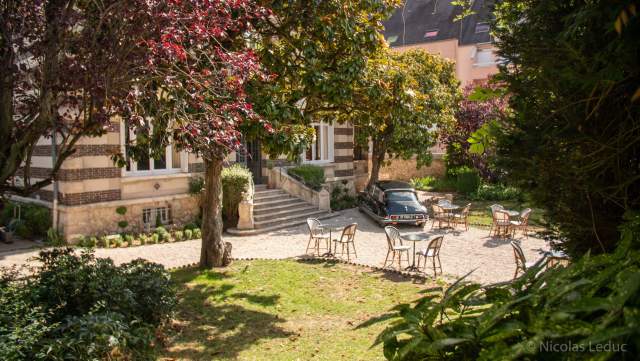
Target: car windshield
<point>400,196</point>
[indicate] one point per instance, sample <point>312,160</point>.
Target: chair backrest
<point>443,201</point>
<point>313,225</point>
<point>349,232</point>
<point>465,210</point>
<point>496,207</point>
<point>437,210</point>
<point>435,245</point>
<point>393,235</point>
<point>521,262</point>
<point>524,215</point>
<point>501,216</point>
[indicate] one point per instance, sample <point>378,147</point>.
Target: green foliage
<point>190,226</point>
<point>155,238</point>
<point>178,236</point>
<point>309,174</point>
<point>196,184</point>
<point>55,238</point>
<point>188,234</point>
<point>143,239</point>
<point>497,192</point>
<point>423,184</point>
<point>197,233</point>
<point>104,242</point>
<point>236,179</point>
<point>122,210</point>
<point>129,239</point>
<point>79,307</point>
<point>573,140</point>
<point>467,181</point>
<point>401,99</point>
<point>123,224</point>
<point>116,241</point>
<point>91,242</point>
<point>593,301</point>
<point>35,220</point>
<point>20,228</point>
<point>341,198</point>
<point>163,234</point>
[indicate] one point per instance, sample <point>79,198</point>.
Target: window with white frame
<point>154,216</point>
<point>484,57</point>
<point>170,161</point>
<point>321,150</point>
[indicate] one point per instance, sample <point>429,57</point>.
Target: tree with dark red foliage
<point>471,116</point>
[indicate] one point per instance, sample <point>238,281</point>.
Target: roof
<point>425,21</point>
<point>386,185</point>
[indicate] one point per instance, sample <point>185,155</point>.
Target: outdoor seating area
<point>507,222</point>
<point>450,215</point>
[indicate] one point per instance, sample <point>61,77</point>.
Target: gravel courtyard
<point>462,251</point>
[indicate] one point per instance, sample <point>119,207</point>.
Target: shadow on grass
<point>212,323</point>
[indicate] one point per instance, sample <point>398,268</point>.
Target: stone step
<point>278,208</point>
<point>267,192</point>
<point>284,212</point>
<point>258,198</point>
<point>296,217</point>
<point>288,224</point>
<point>276,202</point>
<point>260,187</point>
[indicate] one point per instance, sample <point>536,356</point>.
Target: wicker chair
<point>347,238</point>
<point>317,234</point>
<point>396,248</point>
<point>440,216</point>
<point>501,223</point>
<point>462,217</point>
<point>521,263</point>
<point>433,251</point>
<point>522,224</point>
<point>494,208</point>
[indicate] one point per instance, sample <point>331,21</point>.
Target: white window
<point>484,57</point>
<point>171,161</point>
<point>321,150</point>
<point>153,216</point>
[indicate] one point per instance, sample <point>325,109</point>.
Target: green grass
<point>282,310</point>
<point>480,212</point>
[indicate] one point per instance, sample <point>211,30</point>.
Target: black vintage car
<point>392,202</point>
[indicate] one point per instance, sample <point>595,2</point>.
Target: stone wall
<point>405,170</point>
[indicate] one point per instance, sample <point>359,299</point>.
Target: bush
<point>55,238</point>
<point>116,241</point>
<point>197,234</point>
<point>163,234</point>
<point>155,238</point>
<point>467,181</point>
<point>590,302</point>
<point>444,185</point>
<point>190,226</point>
<point>83,308</point>
<point>37,218</point>
<point>91,241</point>
<point>236,179</point>
<point>178,236</point>
<point>103,241</point>
<point>143,239</point>
<point>188,234</point>
<point>310,175</point>
<point>423,184</point>
<point>341,199</point>
<point>129,239</point>
<point>196,184</point>
<point>497,192</point>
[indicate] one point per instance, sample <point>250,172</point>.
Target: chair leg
<point>353,244</point>
<point>385,259</point>
<point>439,264</point>
<point>309,244</point>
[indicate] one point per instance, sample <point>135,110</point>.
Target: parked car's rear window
<point>401,196</point>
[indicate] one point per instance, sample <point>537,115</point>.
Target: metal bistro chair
<point>347,238</point>
<point>433,251</point>
<point>501,223</point>
<point>522,224</point>
<point>316,234</point>
<point>462,217</point>
<point>440,216</point>
<point>394,241</point>
<point>494,208</point>
<point>521,262</point>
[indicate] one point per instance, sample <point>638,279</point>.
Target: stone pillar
<point>324,200</point>
<point>245,214</point>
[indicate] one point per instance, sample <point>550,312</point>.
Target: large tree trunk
<point>377,159</point>
<point>213,248</point>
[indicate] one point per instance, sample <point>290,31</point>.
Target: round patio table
<point>332,227</point>
<point>416,237</point>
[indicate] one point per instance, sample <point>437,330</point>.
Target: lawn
<point>481,214</point>
<point>282,310</point>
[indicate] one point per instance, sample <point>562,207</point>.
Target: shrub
<point>236,179</point>
<point>467,181</point>
<point>91,241</point>
<point>20,228</point>
<point>197,234</point>
<point>103,241</point>
<point>190,226</point>
<point>497,192</point>
<point>55,238</point>
<point>188,234</point>
<point>129,239</point>
<point>196,184</point>
<point>82,241</point>
<point>116,241</point>
<point>310,175</point>
<point>163,234</point>
<point>341,199</point>
<point>37,218</point>
<point>423,184</point>
<point>590,302</point>
<point>143,238</point>
<point>83,308</point>
<point>178,236</point>
<point>445,184</point>
<point>122,210</point>
<point>155,238</point>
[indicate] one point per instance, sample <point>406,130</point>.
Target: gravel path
<point>462,251</point>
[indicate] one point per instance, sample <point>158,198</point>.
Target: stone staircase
<point>275,209</point>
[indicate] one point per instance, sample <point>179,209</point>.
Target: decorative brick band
<point>82,150</point>
<point>343,131</point>
<point>343,172</point>
<point>343,145</point>
<point>343,159</point>
<point>75,199</point>
<point>69,175</point>
<point>196,167</point>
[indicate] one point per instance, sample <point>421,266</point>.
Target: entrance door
<point>254,161</point>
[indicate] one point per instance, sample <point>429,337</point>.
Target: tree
<point>471,115</point>
<point>63,68</point>
<point>399,103</point>
<point>573,140</point>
